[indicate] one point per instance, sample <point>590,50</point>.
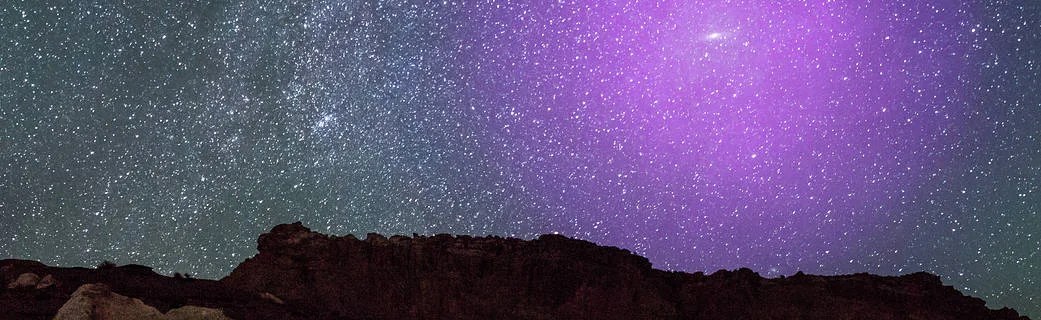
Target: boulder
<point>46,282</point>
<point>98,302</point>
<point>24,280</point>
<point>195,313</point>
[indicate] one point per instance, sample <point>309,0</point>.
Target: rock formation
<point>98,302</point>
<point>299,274</point>
<point>25,280</point>
<point>31,280</point>
<point>554,277</point>
<point>195,313</point>
<point>130,289</point>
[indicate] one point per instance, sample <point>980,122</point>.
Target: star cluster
<point>823,136</point>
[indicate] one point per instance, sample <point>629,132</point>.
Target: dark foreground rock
<point>299,274</point>
<point>97,301</point>
<point>120,286</point>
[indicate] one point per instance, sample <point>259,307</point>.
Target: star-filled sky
<point>825,136</point>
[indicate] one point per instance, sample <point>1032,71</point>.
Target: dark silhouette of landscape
<point>300,274</point>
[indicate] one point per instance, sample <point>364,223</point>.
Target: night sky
<point>829,136</point>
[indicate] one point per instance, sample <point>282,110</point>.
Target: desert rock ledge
<point>554,277</point>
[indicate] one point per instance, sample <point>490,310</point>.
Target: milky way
<point>829,137</point>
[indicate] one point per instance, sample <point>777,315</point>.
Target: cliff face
<point>299,274</point>
<point>450,277</point>
<point>553,277</point>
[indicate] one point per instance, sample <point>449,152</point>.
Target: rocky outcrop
<point>31,280</point>
<point>449,277</point>
<point>171,297</point>
<point>46,282</point>
<point>300,274</point>
<point>553,277</point>
<point>195,313</point>
<point>98,302</point>
<point>25,280</point>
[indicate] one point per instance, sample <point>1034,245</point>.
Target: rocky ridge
<point>300,274</point>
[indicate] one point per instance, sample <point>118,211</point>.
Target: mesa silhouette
<point>300,274</point>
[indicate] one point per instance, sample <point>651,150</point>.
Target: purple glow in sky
<point>735,133</point>
<point>828,137</point>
